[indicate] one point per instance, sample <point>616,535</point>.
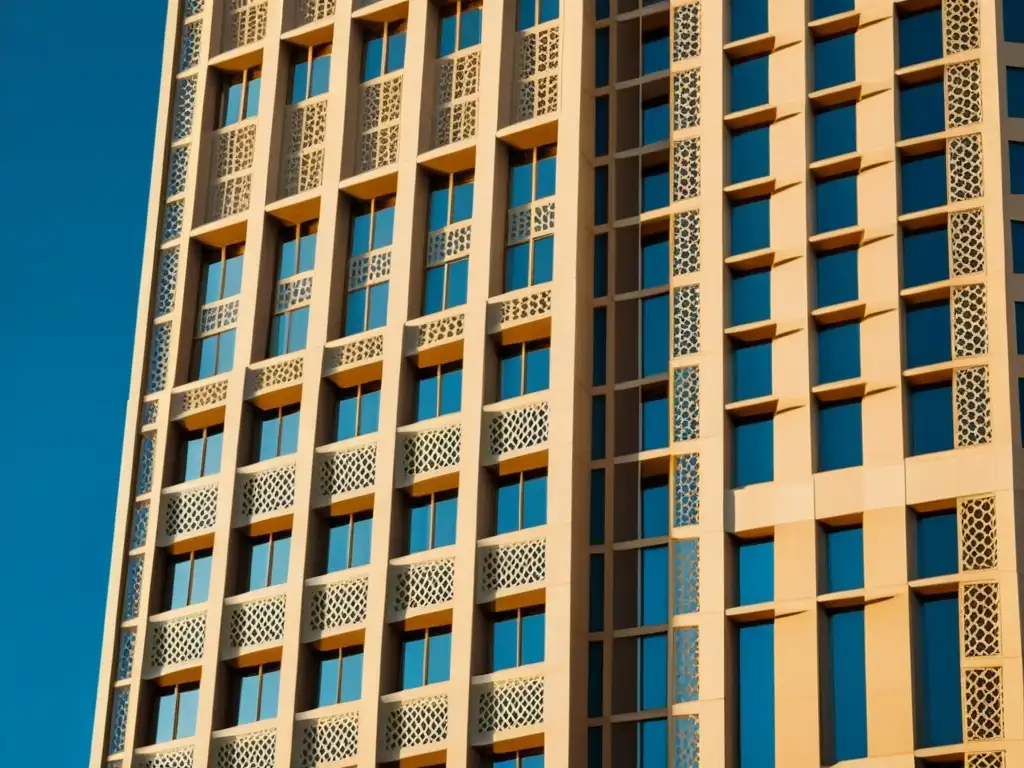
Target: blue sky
<point>76,140</point>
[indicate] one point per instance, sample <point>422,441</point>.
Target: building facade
<point>582,383</point>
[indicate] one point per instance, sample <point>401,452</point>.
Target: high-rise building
<point>596,383</point>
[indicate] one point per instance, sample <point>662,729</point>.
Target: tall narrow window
<point>445,281</point>
<point>755,720</point>
<point>844,549</point>
<point>654,507</point>
<point>213,350</point>
<point>653,579</point>
<point>848,684</point>
<point>239,97</point>
<point>277,433</point>
<point>753,450</point>
<point>529,257</point>
<point>295,258</point>
<point>920,37</point>
<point>255,691</point>
<point>383,50</point>
<point>747,18</point>
<point>937,671</point>
<point>654,417</point>
<point>311,72</point>
<point>652,677</point>
<point>755,571</point>
<point>654,50</point>
<point>459,26</point>
<point>369,265</point>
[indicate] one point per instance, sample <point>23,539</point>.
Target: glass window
<point>276,433</point>
<point>255,691</point>
<point>310,73</point>
<point>836,277</point>
<point>834,61</point>
<point>923,182</point>
<point>655,119</point>
<point>597,427</point>
<point>755,718</point>
<point>384,50</point>
<point>596,601</point>
<point>601,126</point>
<point>1016,168</point>
<point>290,322</point>
<point>221,278</point>
<point>1017,245</point>
<point>199,454</point>
<point>431,521</point>
<point>517,638</point>
<point>654,50</point>
<point>602,9</point>
<point>531,758</point>
<point>654,335</point>
<point>1013,21</point>
<point>459,27</point>
<point>438,390</point>
<point>652,681</point>
<point>848,682</point>
<point>749,83</point>
<point>600,362</point>
<point>240,96</point>
<point>937,544</point>
<point>750,226</point>
<point>844,548</point>
<point>654,419</point>
<point>602,57</point>
<point>1018,314</point>
<point>751,156</point>
<point>835,131</point>
<point>920,37</point>
<point>654,187</point>
<point>174,712</point>
<point>825,8</point>
<point>601,195</point>
<point>840,441</point>
<point>836,203</point>
<point>597,497</point>
<point>928,336</point>
<point>654,260</point>
<point>653,583</point>
<point>925,256</point>
<point>340,676</point>
<point>654,506</point>
<point>747,18</point>
<point>751,297</point>
<point>533,12</point>
<point>531,177</point>
<point>751,369</point>
<point>268,560</point>
<point>922,109</point>
<point>348,542</point>
<point>366,304</point>
<point>524,368</point>
<point>425,657</point>
<point>595,679</point>
<point>188,579</point>
<point>652,743</point>
<point>753,451</point>
<point>358,411</point>
<point>1015,91</point>
<point>522,501</point>
<point>838,352</point>
<point>937,670</point>
<point>446,279</point>
<point>755,563</point>
<point>931,418</point>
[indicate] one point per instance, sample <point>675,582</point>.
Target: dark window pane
<point>654,354</point>
<point>654,261</point>
<point>834,61</point>
<point>749,83</point>
<point>922,109</point>
<point>939,679</point>
<point>601,195</point>
<point>835,131</point>
<point>596,602</point>
<point>601,57</point>
<point>396,53</point>
<point>654,418</point>
<point>1016,168</point>
<point>320,79</point>
<point>750,226</point>
<point>753,451</point>
<point>836,203</point>
<point>849,684</point>
<point>923,182</point>
<point>844,548</point>
<point>752,369</point>
<point>517,267</point>
<point>928,335</point>
<point>925,256</point>
<point>747,18</point>
<point>824,8</point>
<point>470,28</point>
<point>653,586</point>
<point>601,126</point>
<point>750,155</point>
<point>600,266</point>
<point>931,418</point>
<point>445,514</point>
<point>751,299</point>
<point>655,119</point>
<point>756,695</point>
<point>654,187</point>
<point>755,562</point>
<point>836,277</point>
<point>840,441</point>
<point>920,37</point>
<point>654,507</point>
<point>655,50</point>
<point>543,259</point>
<point>838,352</point>
<point>937,545</point>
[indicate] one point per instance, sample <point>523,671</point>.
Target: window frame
<point>312,52</point>
<point>450,181</point>
<point>415,502</point>
<point>428,634</point>
<point>172,561</point>
<point>333,523</point>
<point>273,540</point>
<point>204,434</point>
<point>244,78</point>
<point>371,208</point>
<point>177,689</point>
<point>361,391</point>
<point>210,256</point>
<point>516,614</point>
<point>521,351</point>
<point>384,32</point>
<point>261,670</point>
<point>437,372</point>
<point>521,478</point>
<point>457,8</point>
<point>292,233</point>
<point>340,654</point>
<point>279,415</point>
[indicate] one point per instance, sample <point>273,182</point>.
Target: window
<point>459,27</point>
<point>652,743</point>
<point>600,356</point>
<point>600,266</point>
<point>937,545</point>
<point>1017,245</point>
<point>838,352</point>
<point>825,8</point>
<point>383,50</point>
<point>652,680</point>
<point>654,332</point>
<point>432,521</point>
<point>340,676</point>
<point>840,440</point>
<point>531,758</point>
<point>1018,315</point>
<point>654,53</point>
<point>1015,91</point>
<point>654,260</point>
<point>531,178</point>
<point>199,454</point>
<point>654,507</point>
<point>602,57</point>
<point>844,548</point>
<point>358,411</point>
<point>601,126</point>
<point>750,226</point>
<point>601,195</point>
<point>533,12</point>
<point>923,182</point>
<point>751,369</point>
<point>268,556</point>
<point>366,306</point>
<point>654,184</point>
<point>753,449</point>
<point>277,433</point>
<point>751,299</point>
<point>426,657</point>
<point>922,109</point>
<point>931,418</point>
<point>597,506</point>
<point>290,322</point>
<point>438,390</point>
<point>925,256</point>
<point>348,542</point>
<point>188,579</point>
<point>848,682</point>
<point>596,602</point>
<point>595,679</point>
<point>836,277</point>
<point>654,418</point>
<point>1013,21</point>
<point>174,712</point>
<point>597,427</point>
<point>834,61</point>
<point>835,131</point>
<point>928,336</point>
<point>522,501</point>
<point>1016,168</point>
<point>254,693</point>
<point>602,9</point>
<point>213,351</point>
<point>747,18</point>
<point>751,157</point>
<point>653,586</point>
<point>517,638</point>
<point>755,650</point>
<point>938,671</point>
<point>836,203</point>
<point>446,280</point>
<point>311,72</point>
<point>239,97</point>
<point>920,37</point>
<point>755,565</point>
<point>655,119</point>
<point>749,83</point>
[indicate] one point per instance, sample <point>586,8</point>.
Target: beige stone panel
<point>795,561</point>
<point>886,548</point>
<point>796,688</point>
<point>888,657</point>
